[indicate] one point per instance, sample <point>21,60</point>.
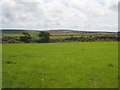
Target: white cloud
<point>55,14</point>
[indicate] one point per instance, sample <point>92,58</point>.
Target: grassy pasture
<point>61,65</point>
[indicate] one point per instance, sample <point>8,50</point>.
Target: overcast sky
<point>100,15</point>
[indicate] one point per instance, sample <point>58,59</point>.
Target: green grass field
<point>61,65</point>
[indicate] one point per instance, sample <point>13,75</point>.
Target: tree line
<point>27,38</point>
<point>44,37</point>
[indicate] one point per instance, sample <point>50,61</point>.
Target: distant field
<point>62,37</point>
<point>61,65</point>
<point>34,35</point>
<point>56,34</point>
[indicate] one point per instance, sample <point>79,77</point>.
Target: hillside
<point>17,32</point>
<point>10,36</point>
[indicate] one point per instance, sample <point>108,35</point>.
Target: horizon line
<point>60,29</point>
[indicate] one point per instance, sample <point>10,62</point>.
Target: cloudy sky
<point>99,15</point>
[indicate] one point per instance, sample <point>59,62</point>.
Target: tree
<point>44,37</point>
<point>26,37</point>
<point>72,37</point>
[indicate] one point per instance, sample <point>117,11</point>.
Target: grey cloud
<point>56,14</point>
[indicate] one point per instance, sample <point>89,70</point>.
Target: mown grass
<point>61,65</point>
